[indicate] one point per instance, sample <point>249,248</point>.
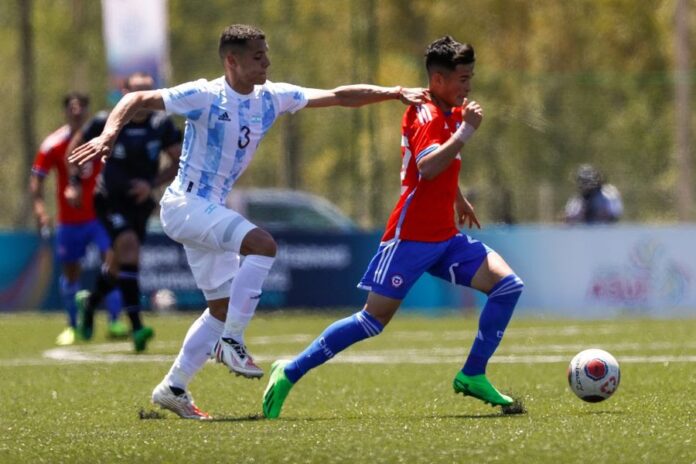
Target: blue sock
<point>114,303</point>
<point>67,293</point>
<point>336,338</point>
<point>494,319</point>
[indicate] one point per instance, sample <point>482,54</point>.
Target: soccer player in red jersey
<point>77,225</point>
<point>422,236</point>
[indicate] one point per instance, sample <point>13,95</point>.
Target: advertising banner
<point>602,271</point>
<point>586,272</point>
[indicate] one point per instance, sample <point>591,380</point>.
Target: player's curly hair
<point>447,53</point>
<point>237,35</point>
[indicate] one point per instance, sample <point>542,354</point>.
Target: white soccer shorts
<point>212,236</point>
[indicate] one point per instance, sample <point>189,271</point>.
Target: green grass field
<point>386,400</point>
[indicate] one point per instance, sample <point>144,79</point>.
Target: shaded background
<point>607,82</point>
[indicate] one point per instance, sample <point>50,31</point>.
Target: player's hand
<point>97,147</point>
<point>413,95</point>
<point>140,190</point>
<point>472,113</point>
<point>73,195</point>
<point>43,221</point>
<point>466,214</point>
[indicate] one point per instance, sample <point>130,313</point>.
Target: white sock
<point>195,350</point>
<point>244,295</point>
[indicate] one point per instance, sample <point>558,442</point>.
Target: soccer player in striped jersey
<point>226,119</point>
<point>77,224</point>
<point>422,236</point>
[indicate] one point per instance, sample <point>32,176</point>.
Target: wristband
<point>464,132</point>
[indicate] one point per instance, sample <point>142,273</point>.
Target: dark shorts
<point>72,240</point>
<point>399,263</point>
<point>119,216</point>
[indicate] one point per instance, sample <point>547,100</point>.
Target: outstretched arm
<point>363,94</point>
<point>122,113</point>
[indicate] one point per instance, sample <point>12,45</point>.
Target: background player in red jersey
<point>77,225</point>
<point>421,236</point>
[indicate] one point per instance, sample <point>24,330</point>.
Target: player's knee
<point>510,286</point>
<point>519,283</point>
<point>218,309</point>
<point>371,323</point>
<point>269,247</point>
<point>259,242</point>
<point>127,246</point>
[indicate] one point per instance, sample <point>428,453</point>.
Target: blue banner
<point>601,271</point>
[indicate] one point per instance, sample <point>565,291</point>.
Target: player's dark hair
<point>447,53</point>
<point>236,36</point>
<point>81,97</point>
<point>137,74</point>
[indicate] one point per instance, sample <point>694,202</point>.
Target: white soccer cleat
<point>181,405</point>
<point>236,357</point>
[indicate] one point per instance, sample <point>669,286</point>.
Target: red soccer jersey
<point>425,210</point>
<point>52,155</point>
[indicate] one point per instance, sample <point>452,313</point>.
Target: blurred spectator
<point>595,202</point>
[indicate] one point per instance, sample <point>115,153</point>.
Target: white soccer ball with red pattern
<point>594,375</point>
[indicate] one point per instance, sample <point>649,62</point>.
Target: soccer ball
<point>163,301</point>
<point>594,375</point>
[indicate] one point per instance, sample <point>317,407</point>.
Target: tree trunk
<point>682,104</point>
<point>374,154</point>
<point>28,137</point>
<point>290,135</point>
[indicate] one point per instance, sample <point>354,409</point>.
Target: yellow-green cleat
<point>479,387</point>
<point>277,390</point>
<point>66,337</point>
<point>118,330</point>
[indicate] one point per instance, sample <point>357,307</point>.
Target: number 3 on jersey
<point>243,137</point>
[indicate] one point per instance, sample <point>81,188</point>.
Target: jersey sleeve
<point>425,133</point>
<point>43,161</point>
<point>290,98</point>
<point>186,98</point>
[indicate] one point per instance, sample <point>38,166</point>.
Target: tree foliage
<point>561,83</point>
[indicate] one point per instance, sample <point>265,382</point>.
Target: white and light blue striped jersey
<point>223,130</point>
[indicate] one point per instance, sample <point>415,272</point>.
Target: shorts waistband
<point>190,187</point>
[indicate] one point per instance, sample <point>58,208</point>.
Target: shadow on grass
<point>157,415</point>
<point>144,414</point>
<point>493,415</point>
<point>247,418</point>
<point>600,413</point>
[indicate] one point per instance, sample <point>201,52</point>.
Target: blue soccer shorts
<point>72,240</point>
<point>399,263</point>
